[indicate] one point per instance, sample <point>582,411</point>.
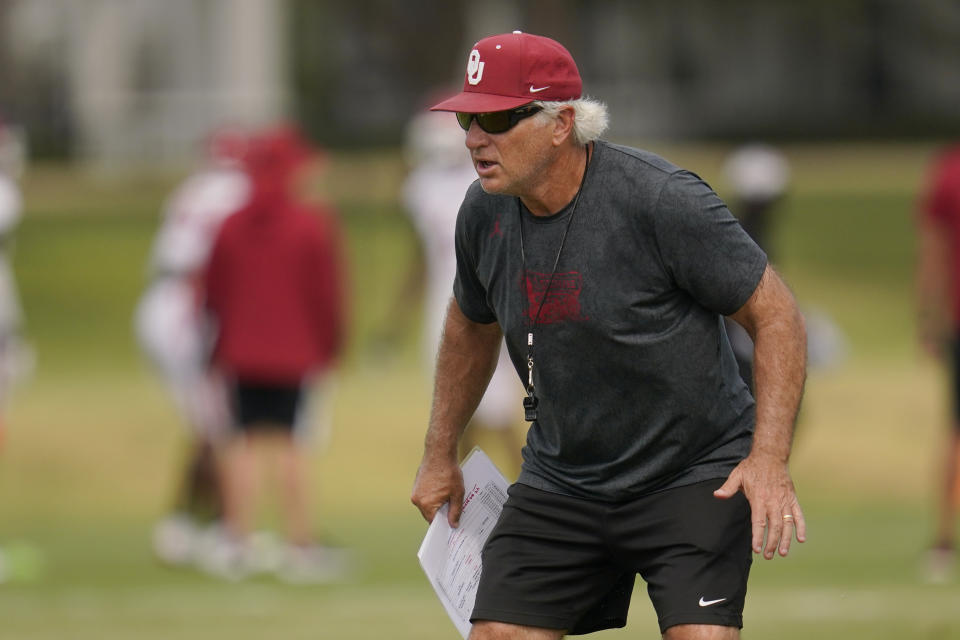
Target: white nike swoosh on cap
<point>532,90</point>
<point>707,603</point>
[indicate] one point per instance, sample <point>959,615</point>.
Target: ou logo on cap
<point>474,68</point>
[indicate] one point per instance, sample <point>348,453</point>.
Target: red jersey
<point>941,205</point>
<point>274,286</point>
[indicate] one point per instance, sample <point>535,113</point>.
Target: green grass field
<point>89,459</point>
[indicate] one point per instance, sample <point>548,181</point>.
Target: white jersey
<point>16,355</point>
<point>11,204</point>
<point>432,195</point>
<point>11,207</point>
<point>193,216</point>
<point>169,325</point>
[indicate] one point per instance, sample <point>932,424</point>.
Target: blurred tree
<point>33,95</point>
<point>361,68</point>
<point>353,72</point>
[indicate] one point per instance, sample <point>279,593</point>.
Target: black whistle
<point>530,408</point>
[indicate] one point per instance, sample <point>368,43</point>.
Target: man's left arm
<point>772,319</point>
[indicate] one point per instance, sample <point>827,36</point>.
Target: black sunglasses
<point>497,121</point>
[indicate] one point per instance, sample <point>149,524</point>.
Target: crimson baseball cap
<point>513,69</point>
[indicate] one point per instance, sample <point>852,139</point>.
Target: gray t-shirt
<point>638,386</point>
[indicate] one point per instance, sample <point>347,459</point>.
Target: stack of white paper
<point>451,557</point>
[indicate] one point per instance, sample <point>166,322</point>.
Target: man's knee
<point>701,632</point>
<point>490,630</point>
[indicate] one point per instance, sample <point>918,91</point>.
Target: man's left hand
<point>765,481</point>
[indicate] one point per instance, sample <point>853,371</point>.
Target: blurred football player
<point>759,176</point>
<point>172,332</point>
<point>16,355</point>
<point>432,193</point>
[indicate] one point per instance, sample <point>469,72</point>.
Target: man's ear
<point>563,126</point>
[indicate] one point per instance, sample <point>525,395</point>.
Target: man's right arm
<point>466,359</point>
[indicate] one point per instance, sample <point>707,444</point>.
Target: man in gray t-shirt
<point>608,271</point>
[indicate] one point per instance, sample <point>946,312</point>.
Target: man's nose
<point>476,137</point>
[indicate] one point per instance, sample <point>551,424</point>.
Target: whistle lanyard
<point>531,401</point>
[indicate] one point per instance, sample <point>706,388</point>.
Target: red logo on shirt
<point>562,302</point>
<point>497,231</point>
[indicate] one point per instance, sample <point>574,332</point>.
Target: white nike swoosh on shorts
<point>707,603</point>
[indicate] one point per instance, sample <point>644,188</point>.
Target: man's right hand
<point>438,482</point>
<point>466,359</point>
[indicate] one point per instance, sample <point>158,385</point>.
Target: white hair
<point>590,116</point>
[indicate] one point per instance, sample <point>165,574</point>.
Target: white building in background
<point>145,79</point>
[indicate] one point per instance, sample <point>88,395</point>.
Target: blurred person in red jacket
<point>938,297</point>
<point>275,293</point>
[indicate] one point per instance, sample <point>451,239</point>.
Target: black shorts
<point>560,562</point>
<point>260,407</point>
